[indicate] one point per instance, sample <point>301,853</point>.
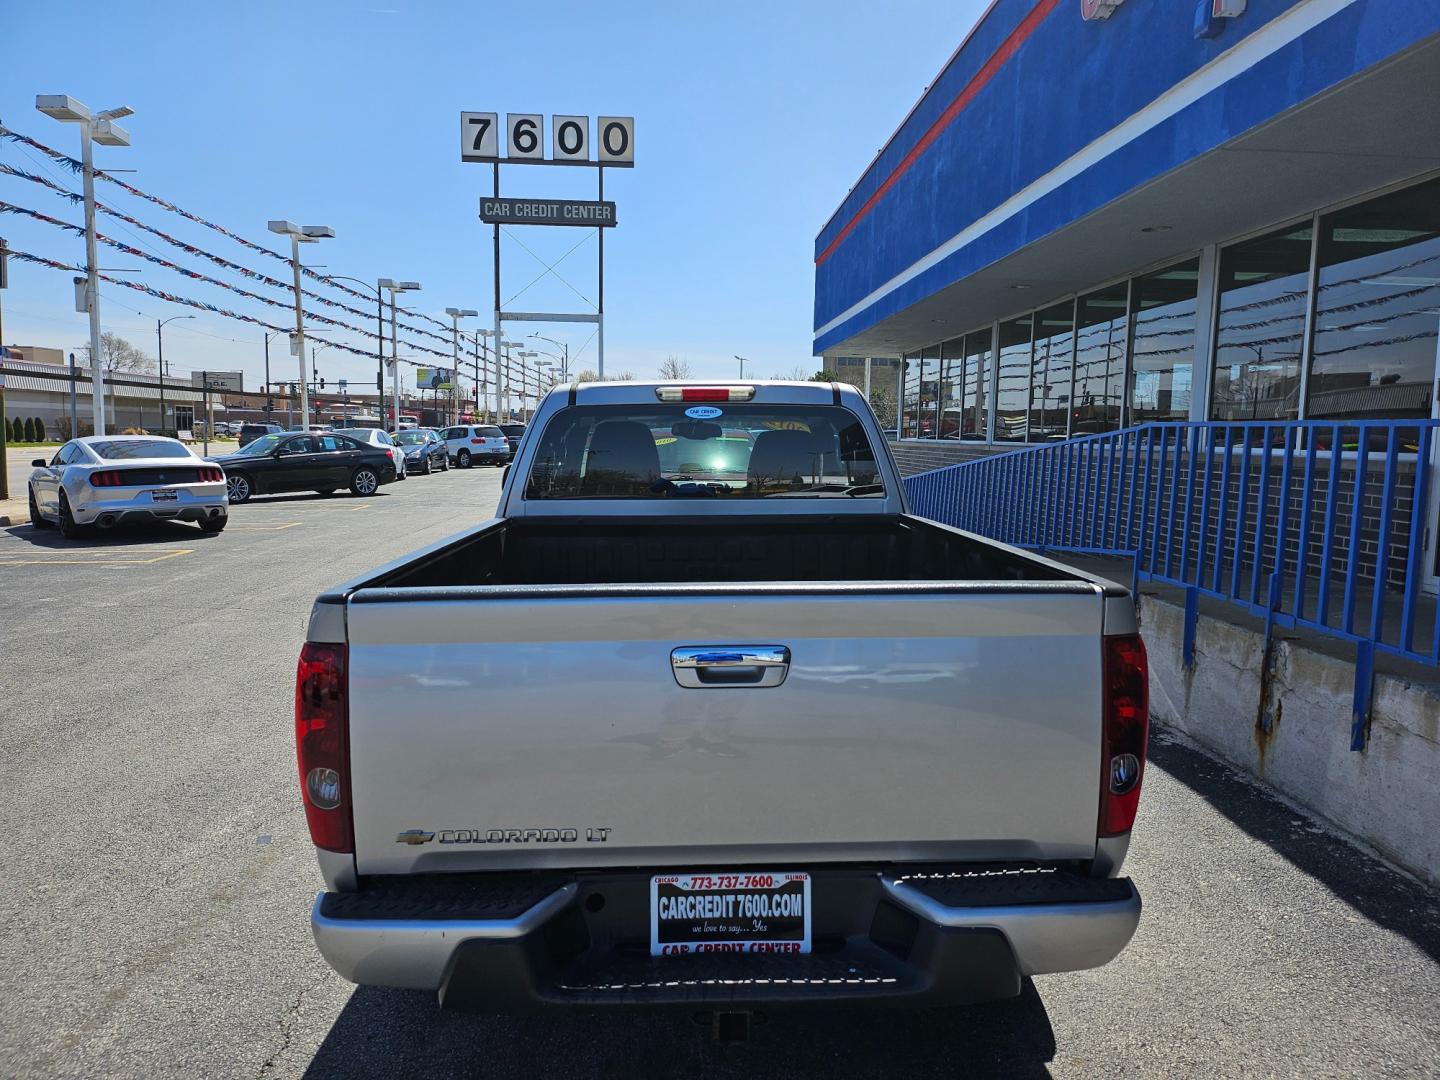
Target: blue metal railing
<point>1308,524</point>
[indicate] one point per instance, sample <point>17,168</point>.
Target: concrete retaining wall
<point>1387,796</point>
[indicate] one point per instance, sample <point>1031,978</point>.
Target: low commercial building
<point>43,385</point>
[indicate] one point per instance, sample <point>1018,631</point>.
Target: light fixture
<point>1019,285</point>
<point>1156,228</point>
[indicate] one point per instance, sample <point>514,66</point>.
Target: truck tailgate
<point>532,728</point>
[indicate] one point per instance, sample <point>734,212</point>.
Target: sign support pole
<point>497,338</point>
<point>600,331</point>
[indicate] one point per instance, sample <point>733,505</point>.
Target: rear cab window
<point>743,451</point>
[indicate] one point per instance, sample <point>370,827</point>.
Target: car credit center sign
<point>586,212</point>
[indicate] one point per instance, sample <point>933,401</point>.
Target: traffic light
<point>322,384</point>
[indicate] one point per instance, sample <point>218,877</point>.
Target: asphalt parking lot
<point>156,875</point>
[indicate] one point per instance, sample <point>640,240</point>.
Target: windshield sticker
<point>703,412</point>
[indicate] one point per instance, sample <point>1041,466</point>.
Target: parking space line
<point>68,558</point>
<point>265,527</point>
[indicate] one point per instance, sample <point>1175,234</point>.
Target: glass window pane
<point>952,382</point>
<point>1102,326</point>
<point>1162,365</point>
<point>1013,397</point>
<point>976,421</point>
<point>929,392</point>
<point>1377,307</point>
<point>1263,287</point>
<point>1050,368</point>
<point>910,412</point>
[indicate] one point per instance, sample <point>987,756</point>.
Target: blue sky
<point>752,120</point>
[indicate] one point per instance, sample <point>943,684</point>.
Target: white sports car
<point>103,480</point>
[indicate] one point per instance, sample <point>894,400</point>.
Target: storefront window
<point>1013,397</point>
<point>1377,307</point>
<point>928,426</point>
<point>1102,326</point>
<point>975,418</point>
<point>1162,309</point>
<point>1050,370</point>
<point>1263,290</point>
<point>910,396</point>
<point>952,381</point>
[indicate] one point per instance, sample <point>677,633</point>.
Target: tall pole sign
<point>570,143</point>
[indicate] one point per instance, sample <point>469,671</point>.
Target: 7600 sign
<point>570,142</point>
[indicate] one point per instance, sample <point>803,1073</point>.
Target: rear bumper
<point>190,505</point>
<point>510,943</point>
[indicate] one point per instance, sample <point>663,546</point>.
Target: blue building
<point>1162,278</point>
<point>1105,213</point>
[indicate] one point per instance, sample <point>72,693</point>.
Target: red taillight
<point>478,442</point>
<point>107,478</point>
<point>705,393</point>
<point>211,476</point>
<point>1126,672</point>
<point>322,745</point>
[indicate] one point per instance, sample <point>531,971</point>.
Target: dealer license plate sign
<point>734,911</point>
<point>165,495</point>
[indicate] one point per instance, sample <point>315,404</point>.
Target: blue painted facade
<point>1068,84</point>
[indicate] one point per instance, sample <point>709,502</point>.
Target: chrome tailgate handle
<point>699,667</point>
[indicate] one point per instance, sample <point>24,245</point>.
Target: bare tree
<point>587,375</point>
<point>795,374</point>
<point>117,354</point>
<point>624,376</point>
<point>882,400</point>
<point>675,367</point>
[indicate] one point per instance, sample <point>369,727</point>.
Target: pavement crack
<point>287,1028</point>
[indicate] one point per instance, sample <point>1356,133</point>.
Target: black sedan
<point>322,462</point>
<point>423,449</point>
<point>513,434</point>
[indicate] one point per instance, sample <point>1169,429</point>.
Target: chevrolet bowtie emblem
<point>415,836</point>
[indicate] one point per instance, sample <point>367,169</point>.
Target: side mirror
<point>505,473</point>
<point>40,463</point>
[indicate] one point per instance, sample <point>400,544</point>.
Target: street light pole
<point>380,284</point>
<point>269,394</point>
<point>99,127</point>
<point>395,288</point>
<point>456,314</point>
<point>160,359</point>
<point>307,234</point>
<point>743,361</point>
<point>564,346</point>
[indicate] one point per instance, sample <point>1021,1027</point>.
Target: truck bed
<point>596,551</point>
<point>911,713</point>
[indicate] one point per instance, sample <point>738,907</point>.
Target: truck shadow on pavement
<point>404,1033</point>
<point>1385,897</point>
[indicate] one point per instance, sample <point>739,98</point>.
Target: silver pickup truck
<point>705,717</point>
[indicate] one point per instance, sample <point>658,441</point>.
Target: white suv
<point>471,443</point>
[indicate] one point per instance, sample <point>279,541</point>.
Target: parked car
<point>470,443</point>
<point>105,480</point>
<point>249,432</point>
<point>513,434</point>
<point>381,439</point>
<point>322,462</point>
<point>423,449</point>
<point>869,758</point>
<point>406,423</point>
